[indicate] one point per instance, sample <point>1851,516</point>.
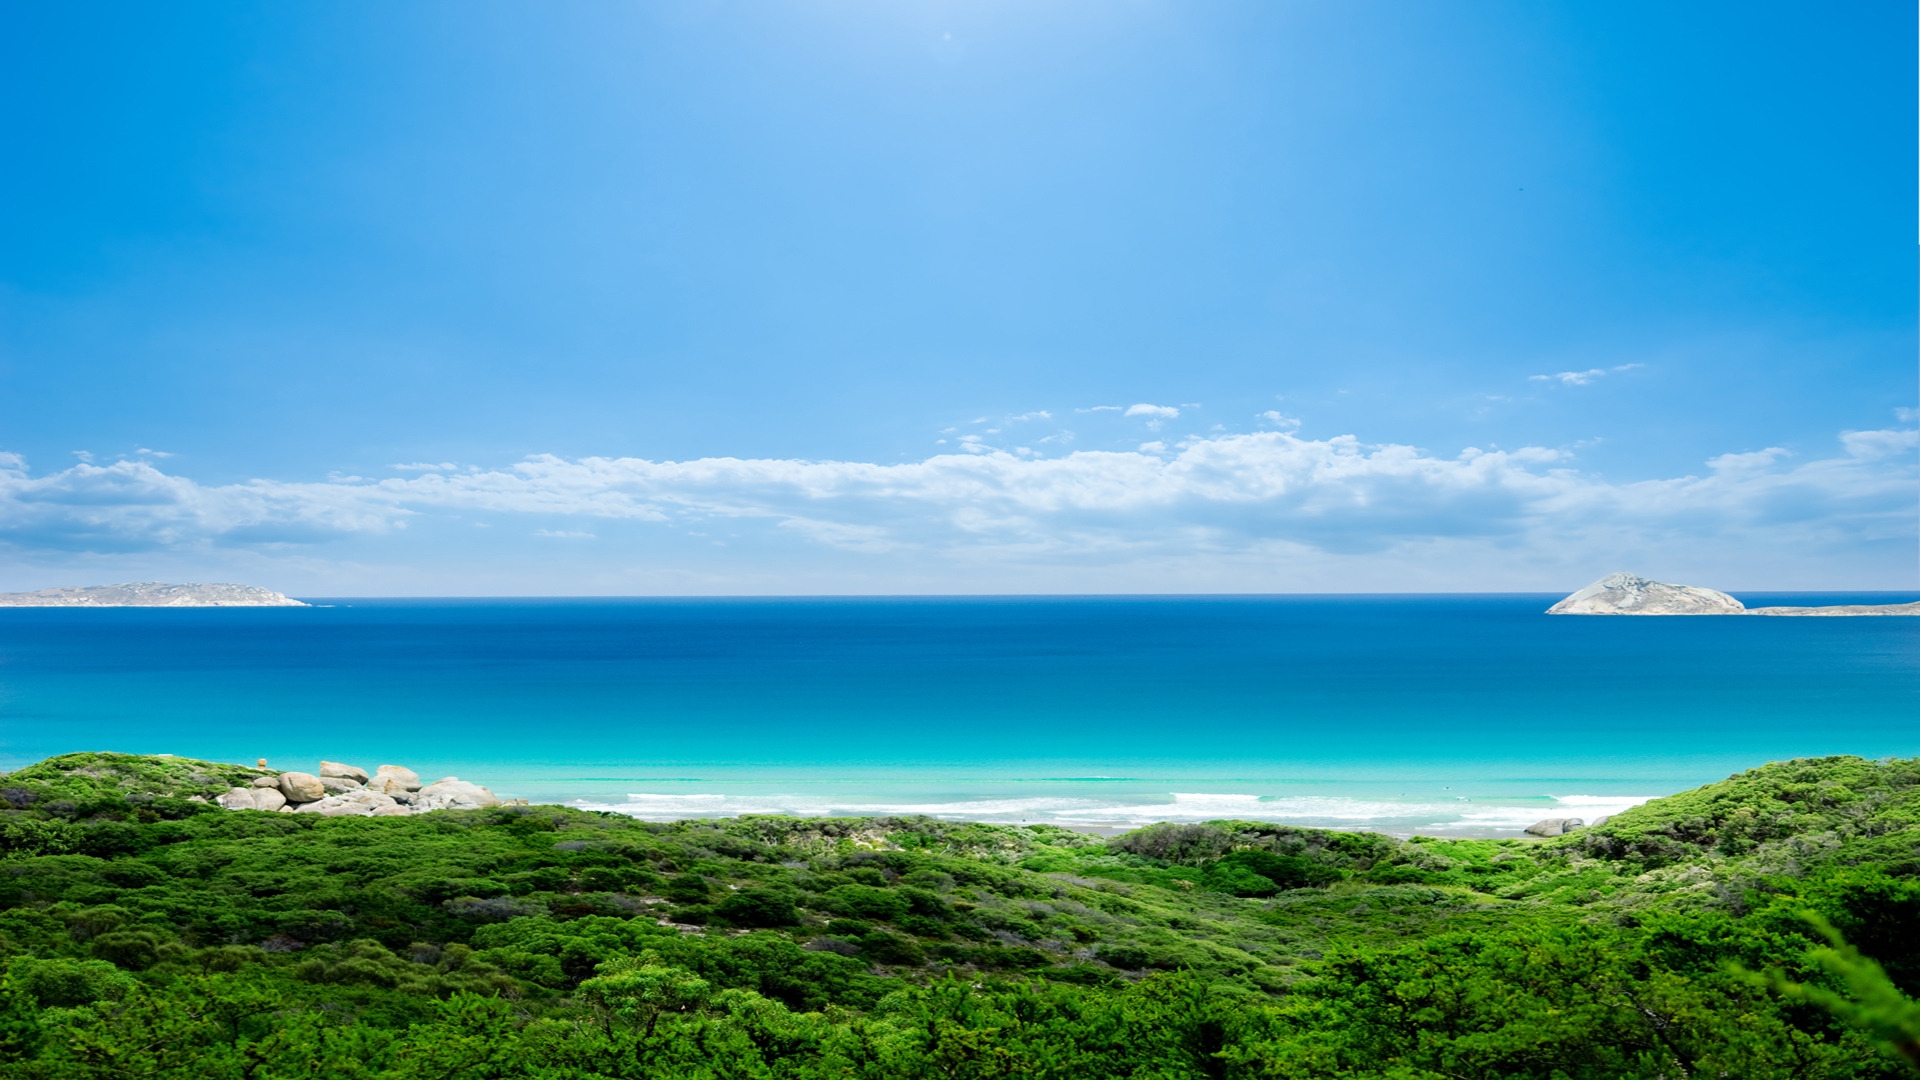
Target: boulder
<point>390,811</point>
<point>266,781</point>
<point>453,793</point>
<point>400,775</point>
<point>345,772</point>
<point>252,798</point>
<point>356,803</point>
<point>336,785</point>
<point>239,798</point>
<point>1555,826</point>
<point>301,787</point>
<point>1630,594</point>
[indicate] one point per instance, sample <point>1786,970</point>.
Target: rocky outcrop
<point>453,793</point>
<point>150,594</point>
<point>1555,826</point>
<point>352,804</point>
<point>1630,594</point>
<point>343,790</point>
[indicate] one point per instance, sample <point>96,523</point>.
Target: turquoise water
<point>1452,714</point>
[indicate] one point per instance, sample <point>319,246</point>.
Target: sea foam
<point>1495,816</point>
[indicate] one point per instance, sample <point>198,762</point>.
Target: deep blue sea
<point>1433,714</point>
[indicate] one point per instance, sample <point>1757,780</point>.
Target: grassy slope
<point>104,856</point>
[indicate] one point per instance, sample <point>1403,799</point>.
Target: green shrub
<point>759,908</point>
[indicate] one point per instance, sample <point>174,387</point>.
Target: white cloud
<point>1274,417</point>
<point>1158,412</point>
<point>1582,378</point>
<point>564,534</point>
<point>1879,444</point>
<point>1265,496</point>
<point>1038,414</point>
<point>1100,408</point>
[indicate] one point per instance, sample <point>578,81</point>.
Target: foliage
<point>144,933</point>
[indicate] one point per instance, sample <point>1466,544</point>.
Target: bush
<point>135,950</point>
<point>759,908</point>
<point>884,948</point>
<point>687,889</point>
<point>1284,871</point>
<point>865,902</point>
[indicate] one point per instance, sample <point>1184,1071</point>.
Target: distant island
<point>1631,594</point>
<point>151,594</point>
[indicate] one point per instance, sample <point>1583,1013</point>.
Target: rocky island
<point>151,594</point>
<point>1631,594</point>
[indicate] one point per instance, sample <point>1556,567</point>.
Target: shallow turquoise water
<point>1473,714</point>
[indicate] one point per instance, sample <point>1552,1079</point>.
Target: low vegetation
<point>1760,927</point>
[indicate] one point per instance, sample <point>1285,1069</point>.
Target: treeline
<point>147,934</point>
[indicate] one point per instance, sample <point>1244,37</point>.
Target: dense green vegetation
<point>1760,927</point>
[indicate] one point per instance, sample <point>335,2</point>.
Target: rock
<point>401,775</point>
<point>453,793</point>
<point>390,811</point>
<point>356,803</point>
<point>1628,594</point>
<point>338,784</point>
<point>239,798</point>
<point>301,787</point>
<point>266,781</point>
<point>252,798</point>
<point>402,796</point>
<point>1599,821</point>
<point>347,772</point>
<point>1554,826</point>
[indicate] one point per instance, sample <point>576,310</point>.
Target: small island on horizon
<point>151,594</point>
<point>1630,594</point>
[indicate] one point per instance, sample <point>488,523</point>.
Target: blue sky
<point>702,296</point>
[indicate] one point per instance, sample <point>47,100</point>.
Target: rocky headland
<point>151,594</point>
<point>340,790</point>
<point>1631,594</point>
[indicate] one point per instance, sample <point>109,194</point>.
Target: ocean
<point>1441,715</point>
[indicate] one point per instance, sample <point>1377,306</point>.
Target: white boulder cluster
<point>347,791</point>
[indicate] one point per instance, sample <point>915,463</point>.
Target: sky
<point>902,296</point>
